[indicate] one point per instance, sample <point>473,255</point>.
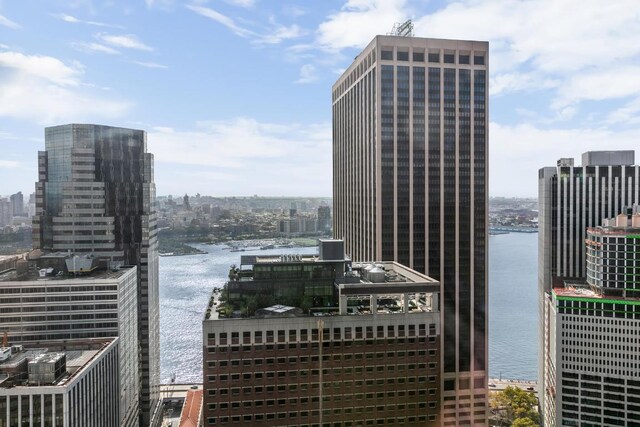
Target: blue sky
<point>235,94</point>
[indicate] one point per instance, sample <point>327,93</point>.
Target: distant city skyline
<point>186,73</point>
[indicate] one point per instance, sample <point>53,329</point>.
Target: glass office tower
<point>95,194</point>
<point>410,184</point>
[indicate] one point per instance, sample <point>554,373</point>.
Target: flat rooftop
<point>78,355</point>
<point>389,275</point>
<point>279,259</point>
<point>31,275</point>
<point>576,293</point>
<point>615,231</point>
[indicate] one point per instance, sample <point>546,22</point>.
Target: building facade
<point>364,350</point>
<point>324,219</point>
<point>17,203</point>
<point>571,199</point>
<point>6,212</point>
<point>410,137</point>
<point>55,309</point>
<point>84,392</point>
<point>593,372</point>
<point>95,193</point>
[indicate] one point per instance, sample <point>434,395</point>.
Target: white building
<point>57,308</point>
<point>592,365</point>
<point>73,385</point>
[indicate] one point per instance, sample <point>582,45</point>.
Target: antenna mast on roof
<point>402,29</point>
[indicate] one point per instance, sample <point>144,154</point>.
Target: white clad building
<point>58,308</point>
<point>83,393</point>
<point>592,333</point>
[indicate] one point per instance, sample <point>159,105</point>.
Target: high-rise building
<point>71,384</point>
<point>95,194</point>
<point>324,219</point>
<point>6,212</point>
<point>319,340</point>
<point>592,374</point>
<point>571,199</point>
<point>410,159</point>
<point>17,203</point>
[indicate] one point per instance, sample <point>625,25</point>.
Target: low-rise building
<point>357,344</point>
<point>70,384</point>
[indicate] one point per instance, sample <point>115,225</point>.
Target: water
<point>186,283</point>
<point>513,306</point>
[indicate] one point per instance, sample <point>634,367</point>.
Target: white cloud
<point>246,156</point>
<point>73,20</point>
<point>628,114</point>
<point>10,164</point>
<point>307,74</point>
<point>294,11</point>
<point>358,22</point>
<point>242,3</point>
<point>127,41</point>
<point>275,34</point>
<point>150,64</point>
<point>43,67</point>
<point>555,35</point>
<point>505,83</point>
<point>6,22</point>
<point>279,34</point>
<point>535,45</point>
<point>523,149</point>
<point>614,82</point>
<point>46,90</point>
<point>91,47</point>
<point>207,12</point>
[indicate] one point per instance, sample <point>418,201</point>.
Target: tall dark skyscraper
<point>410,184</point>
<point>571,200</point>
<point>95,193</point>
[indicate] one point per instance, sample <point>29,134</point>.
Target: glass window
<point>434,57</point>
<point>418,56</point>
<point>387,55</point>
<point>478,59</point>
<point>449,58</point>
<point>403,56</point>
<point>463,59</point>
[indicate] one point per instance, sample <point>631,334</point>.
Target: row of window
<point>269,417</point>
<point>258,404</point>
<point>294,375</point>
<point>325,358</point>
<point>338,333</point>
<point>315,345</point>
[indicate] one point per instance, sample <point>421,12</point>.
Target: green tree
<point>514,404</point>
<point>524,422</point>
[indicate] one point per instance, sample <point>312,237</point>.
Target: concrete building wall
<point>58,310</point>
<point>322,370</point>
<point>595,352</point>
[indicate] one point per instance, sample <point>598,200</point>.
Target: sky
<point>235,95</point>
